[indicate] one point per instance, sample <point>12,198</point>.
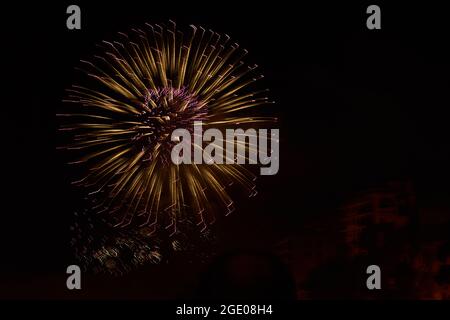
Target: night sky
<point>357,108</point>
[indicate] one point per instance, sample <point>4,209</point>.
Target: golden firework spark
<point>133,95</point>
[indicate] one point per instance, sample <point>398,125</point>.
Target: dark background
<point>357,108</point>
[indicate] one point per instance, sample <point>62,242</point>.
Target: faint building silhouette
<point>384,226</point>
<point>371,218</point>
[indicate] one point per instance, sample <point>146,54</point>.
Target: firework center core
<point>164,110</point>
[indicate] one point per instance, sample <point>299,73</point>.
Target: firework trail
<point>130,98</point>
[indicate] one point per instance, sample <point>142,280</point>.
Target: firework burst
<point>131,96</point>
